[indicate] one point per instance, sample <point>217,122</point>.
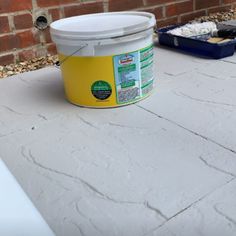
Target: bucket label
<point>133,74</point>
<point>146,64</point>
<point>127,77</point>
<point>101,90</point>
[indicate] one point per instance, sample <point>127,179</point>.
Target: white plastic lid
<point>102,25</point>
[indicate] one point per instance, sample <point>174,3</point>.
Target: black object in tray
<point>196,45</point>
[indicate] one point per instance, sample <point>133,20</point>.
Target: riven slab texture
<point>163,166</point>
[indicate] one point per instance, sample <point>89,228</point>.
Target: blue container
<point>196,45</point>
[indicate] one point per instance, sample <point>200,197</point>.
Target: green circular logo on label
<point>101,90</point>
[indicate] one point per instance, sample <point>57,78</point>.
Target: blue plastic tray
<point>196,46</point>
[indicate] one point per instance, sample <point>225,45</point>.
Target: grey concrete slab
<point>124,171</point>
<point>214,215</point>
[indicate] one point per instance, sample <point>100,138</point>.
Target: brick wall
<point>21,40</point>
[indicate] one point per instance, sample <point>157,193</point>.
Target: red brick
<point>229,1</point>
<point>179,8</point>
<point>47,35</point>
<point>202,4</point>
<point>158,12</point>
<point>26,55</point>
<point>122,5</point>
<point>51,48</point>
<point>6,59</point>
<point>27,38</point>
<point>23,21</point>
<point>55,14</point>
<point>12,6</point>
<point>41,52</point>
<point>191,16</point>
<point>84,8</point>
<point>157,2</point>
<point>49,3</point>
<point>9,42</point>
<point>167,22</point>
<point>219,9</point>
<point>4,24</point>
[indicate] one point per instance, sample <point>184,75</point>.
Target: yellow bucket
<point>106,59</point>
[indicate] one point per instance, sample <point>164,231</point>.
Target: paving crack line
<point>233,221</point>
<point>93,189</point>
<point>42,117</point>
<point>209,76</point>
<point>88,219</point>
<point>23,153</point>
<point>86,122</point>
<point>70,221</point>
<point>23,80</point>
<point>78,227</point>
<point>125,126</point>
<point>180,94</point>
<point>8,134</point>
<point>12,110</point>
<point>231,62</point>
<point>216,168</point>
<point>157,211</point>
<point>175,74</point>
<point>188,207</point>
<point>188,130</point>
<point>146,204</point>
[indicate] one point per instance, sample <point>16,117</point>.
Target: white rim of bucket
<point>58,28</point>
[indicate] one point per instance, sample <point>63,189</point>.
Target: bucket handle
<point>59,63</point>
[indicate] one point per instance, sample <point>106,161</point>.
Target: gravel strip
<point>218,17</point>
<point>34,64</point>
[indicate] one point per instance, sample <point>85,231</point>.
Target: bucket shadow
<point>45,88</point>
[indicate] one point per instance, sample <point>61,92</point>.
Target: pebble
<point>9,73</point>
<point>9,67</point>
<point>34,64</point>
<point>218,17</point>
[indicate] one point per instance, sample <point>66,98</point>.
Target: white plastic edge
<point>55,33</point>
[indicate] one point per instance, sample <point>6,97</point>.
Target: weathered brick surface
<point>219,9</point>
<point>23,21</point>
<point>122,5</point>
<point>49,3</point>
<point>201,4</point>
<point>4,24</point>
<point>7,6</point>
<point>47,36</point>
<point>158,2</point>
<point>9,42</point>
<point>27,38</point>
<point>228,1</point>
<point>26,54</point>
<point>167,21</point>
<point>51,48</point>
<point>6,59</point>
<point>157,11</point>
<point>179,8</point>
<point>84,8</point>
<point>190,16</point>
<point>19,36</point>
<point>54,13</point>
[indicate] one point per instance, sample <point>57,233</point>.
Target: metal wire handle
<point>58,63</point>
